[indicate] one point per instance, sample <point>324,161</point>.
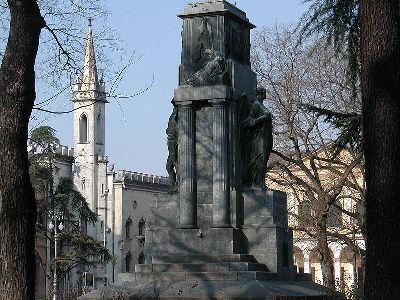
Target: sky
<point>135,127</point>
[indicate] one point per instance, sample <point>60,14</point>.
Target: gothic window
<point>99,129</point>
<point>128,226</point>
<point>142,224</point>
<point>141,258</point>
<point>83,129</point>
<point>128,262</point>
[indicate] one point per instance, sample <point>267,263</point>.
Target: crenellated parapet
<point>58,149</point>
<point>129,176</point>
<point>65,151</point>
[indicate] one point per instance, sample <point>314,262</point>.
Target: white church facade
<point>121,199</point>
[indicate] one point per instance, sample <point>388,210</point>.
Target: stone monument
<point>219,233</point>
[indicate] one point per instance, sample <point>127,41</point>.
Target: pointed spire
<point>89,69</point>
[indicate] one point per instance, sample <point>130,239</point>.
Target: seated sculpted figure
<point>257,128</point>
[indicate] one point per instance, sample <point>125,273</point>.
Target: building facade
<point>343,216</point>
<point>121,199</point>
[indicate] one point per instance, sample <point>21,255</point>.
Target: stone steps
<point>201,267</point>
<point>229,267</point>
<point>176,259</point>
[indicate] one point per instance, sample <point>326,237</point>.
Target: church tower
<point>89,99</point>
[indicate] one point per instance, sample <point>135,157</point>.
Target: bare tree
<point>296,75</point>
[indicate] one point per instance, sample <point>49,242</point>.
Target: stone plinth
<point>214,289</point>
<point>265,230</point>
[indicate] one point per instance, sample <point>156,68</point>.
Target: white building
<point>120,199</point>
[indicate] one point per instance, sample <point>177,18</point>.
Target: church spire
<point>88,80</point>
<point>89,75</point>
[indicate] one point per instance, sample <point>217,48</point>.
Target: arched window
<point>128,226</point>
<point>141,258</point>
<point>128,262</point>
<point>142,226</point>
<point>83,129</point>
<point>99,129</point>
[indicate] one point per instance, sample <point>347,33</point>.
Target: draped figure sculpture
<point>172,143</point>
<point>256,141</point>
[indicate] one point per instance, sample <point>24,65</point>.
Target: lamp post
<point>53,226</point>
<point>105,232</point>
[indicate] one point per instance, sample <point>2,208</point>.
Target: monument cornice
<point>203,93</point>
<point>212,8</point>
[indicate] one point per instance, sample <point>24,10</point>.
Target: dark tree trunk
<point>17,202</point>
<point>380,44</point>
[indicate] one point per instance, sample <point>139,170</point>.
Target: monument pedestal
<point>253,261</point>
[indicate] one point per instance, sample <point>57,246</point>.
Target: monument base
<point>205,288</point>
<point>253,261</point>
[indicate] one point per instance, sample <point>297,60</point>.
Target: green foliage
<point>77,248</point>
<point>348,124</point>
<point>339,22</point>
<point>44,135</point>
<point>42,139</point>
<point>81,249</point>
<point>71,204</point>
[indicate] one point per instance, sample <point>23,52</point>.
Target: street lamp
<point>54,217</point>
<point>105,228</point>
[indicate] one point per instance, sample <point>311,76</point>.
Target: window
<point>141,258</point>
<point>128,226</point>
<point>128,262</point>
<point>99,129</point>
<point>83,129</point>
<point>142,226</point>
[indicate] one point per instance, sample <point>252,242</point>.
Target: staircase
<point>232,267</point>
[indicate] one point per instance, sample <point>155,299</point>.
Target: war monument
<point>219,233</point>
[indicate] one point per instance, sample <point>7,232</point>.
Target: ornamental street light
<point>105,195</point>
<point>54,217</point>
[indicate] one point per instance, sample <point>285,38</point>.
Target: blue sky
<point>135,128</point>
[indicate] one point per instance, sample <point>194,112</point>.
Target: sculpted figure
<point>215,66</point>
<point>172,143</point>
<point>257,130</point>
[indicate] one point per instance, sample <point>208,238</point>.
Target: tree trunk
<point>326,260</point>
<point>17,202</point>
<point>380,44</point>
